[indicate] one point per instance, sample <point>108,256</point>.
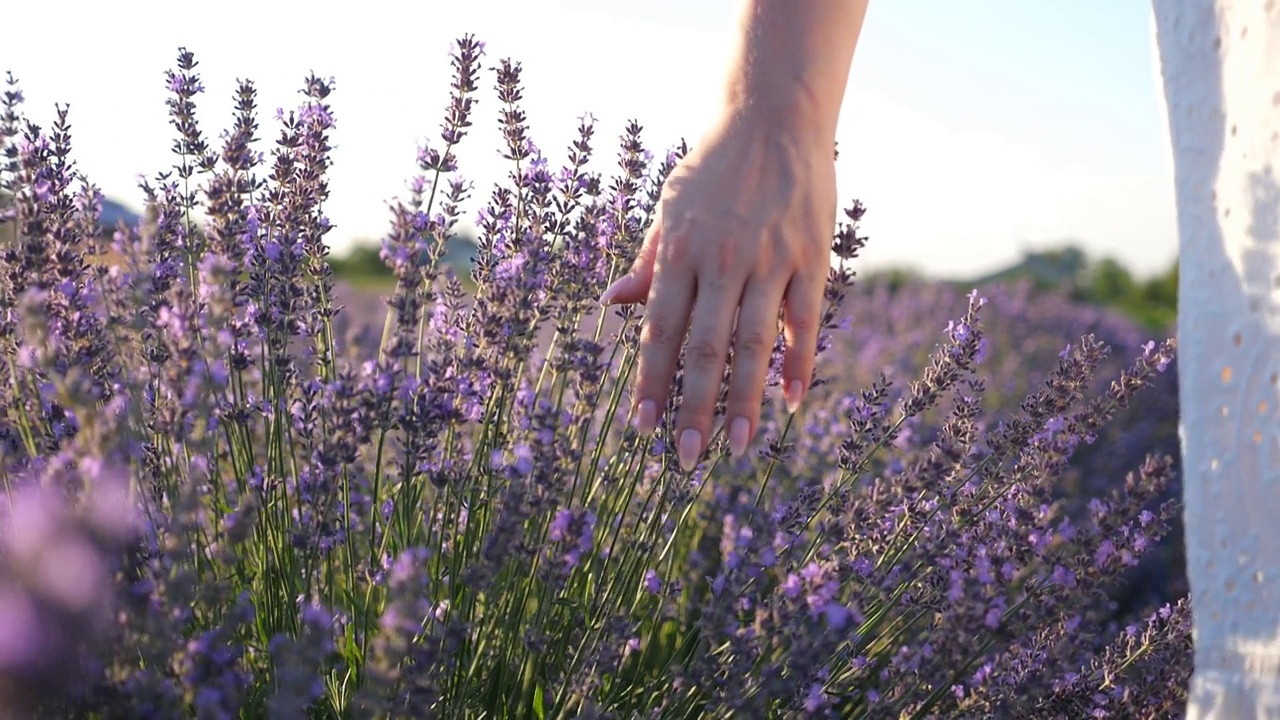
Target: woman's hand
<point>743,228</point>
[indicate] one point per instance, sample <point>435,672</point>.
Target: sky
<point>972,131</point>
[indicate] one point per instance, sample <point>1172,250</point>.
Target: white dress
<point>1220,64</point>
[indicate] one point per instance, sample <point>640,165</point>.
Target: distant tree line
<point>1106,282</point>
<point>361,261</point>
<point>1153,301</point>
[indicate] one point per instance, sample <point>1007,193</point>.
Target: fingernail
<point>689,449</point>
<point>739,434</point>
<point>606,298</point>
<point>646,418</point>
<point>795,391</point>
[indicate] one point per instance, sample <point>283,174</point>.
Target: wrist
<point>791,64</point>
<point>784,107</point>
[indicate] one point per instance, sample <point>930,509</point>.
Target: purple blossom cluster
<point>227,495</point>
<point>891,328</point>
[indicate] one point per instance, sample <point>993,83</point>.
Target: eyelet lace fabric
<point>1220,66</point>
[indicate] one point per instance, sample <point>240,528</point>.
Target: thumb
<point>634,286</point>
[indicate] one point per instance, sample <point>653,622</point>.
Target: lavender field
<point>236,488</point>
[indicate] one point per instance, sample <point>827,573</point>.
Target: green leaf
<point>539,708</point>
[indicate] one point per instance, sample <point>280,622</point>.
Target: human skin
<point>744,227</point>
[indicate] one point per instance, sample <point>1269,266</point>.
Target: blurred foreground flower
<point>58,562</point>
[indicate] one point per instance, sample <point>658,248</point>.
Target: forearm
<point>793,57</point>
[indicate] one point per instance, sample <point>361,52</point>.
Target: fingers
<point>681,295</point>
<point>753,344</point>
<point>802,313</point>
<point>704,363</point>
<point>666,318</point>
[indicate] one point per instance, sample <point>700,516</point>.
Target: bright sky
<point>973,131</point>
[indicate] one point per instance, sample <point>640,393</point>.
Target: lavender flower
<point>226,494</point>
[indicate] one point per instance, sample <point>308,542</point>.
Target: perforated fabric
<point>1220,66</point>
